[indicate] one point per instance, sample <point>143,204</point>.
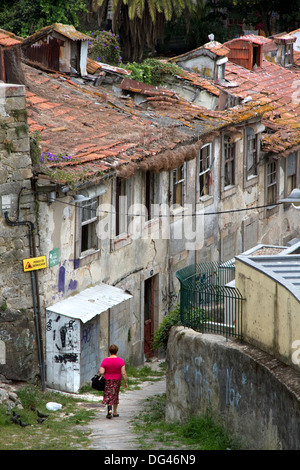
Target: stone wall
<point>256,396</point>
<point>18,357</point>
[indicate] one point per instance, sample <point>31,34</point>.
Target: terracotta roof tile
<point>8,39</point>
<point>279,86</point>
<point>102,133</point>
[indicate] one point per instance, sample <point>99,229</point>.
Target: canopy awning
<point>90,302</point>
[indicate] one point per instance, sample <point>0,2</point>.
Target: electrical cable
<point>173,215</point>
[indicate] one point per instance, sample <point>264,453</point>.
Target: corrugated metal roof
<point>90,302</point>
<point>284,269</point>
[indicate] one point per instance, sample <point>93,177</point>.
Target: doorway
<point>150,313</point>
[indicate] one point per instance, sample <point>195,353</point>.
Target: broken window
<point>229,162</point>
<point>204,171</point>
<point>178,185</point>
<point>251,153</point>
<point>271,169</point>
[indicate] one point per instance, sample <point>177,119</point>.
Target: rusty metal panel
<point>44,53</point>
<point>2,66</point>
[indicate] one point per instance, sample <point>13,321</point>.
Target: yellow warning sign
<point>31,264</point>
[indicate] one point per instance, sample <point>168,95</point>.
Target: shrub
<point>152,71</point>
<point>105,47</point>
<point>160,339</point>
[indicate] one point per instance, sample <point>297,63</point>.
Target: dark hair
<point>113,349</point>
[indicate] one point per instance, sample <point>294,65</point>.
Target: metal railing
<point>209,300</point>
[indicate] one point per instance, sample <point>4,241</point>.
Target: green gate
<point>209,300</point>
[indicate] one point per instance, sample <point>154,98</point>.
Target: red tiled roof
<point>9,39</point>
<point>278,86</point>
<point>102,133</point>
<point>213,46</point>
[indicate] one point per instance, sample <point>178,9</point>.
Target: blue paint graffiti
<point>61,279</point>
<point>72,284</point>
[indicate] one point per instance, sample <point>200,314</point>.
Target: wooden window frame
<point>204,173</point>
<point>229,154</point>
<point>88,249</point>
<point>179,175</point>
<point>272,185</point>
<point>252,148</point>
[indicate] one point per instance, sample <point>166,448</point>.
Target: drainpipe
<point>30,226</point>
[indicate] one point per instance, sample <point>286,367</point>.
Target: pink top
<point>112,366</point>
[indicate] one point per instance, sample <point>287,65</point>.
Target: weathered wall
<point>256,395</point>
<point>276,331</point>
<point>18,356</point>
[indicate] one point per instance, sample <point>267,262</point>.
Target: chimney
<point>285,47</point>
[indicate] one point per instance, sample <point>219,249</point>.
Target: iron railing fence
<point>209,300</point>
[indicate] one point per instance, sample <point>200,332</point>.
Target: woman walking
<point>113,368</point>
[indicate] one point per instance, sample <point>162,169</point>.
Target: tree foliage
<point>24,17</point>
<point>286,15</point>
<point>140,23</point>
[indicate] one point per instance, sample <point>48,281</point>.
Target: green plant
<point>23,128</point>
<point>35,148</point>
<point>203,432</point>
<point>105,47</point>
<point>152,71</point>
<point>8,145</point>
<point>195,317</point>
<point>58,432</point>
<point>161,335</point>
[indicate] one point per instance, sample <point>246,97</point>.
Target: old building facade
<point>121,197</point>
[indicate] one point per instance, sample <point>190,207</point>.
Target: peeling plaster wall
<point>125,267</point>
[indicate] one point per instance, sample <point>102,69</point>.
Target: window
<point>123,202</point>
<point>272,182</point>
<point>178,185</point>
<point>229,162</point>
<point>256,55</point>
<point>204,171</point>
<point>251,153</point>
<point>152,193</point>
<point>86,234</point>
<point>291,172</point>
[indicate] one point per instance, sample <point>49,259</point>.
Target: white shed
<point>73,352</point>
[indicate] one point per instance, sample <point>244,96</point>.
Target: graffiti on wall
<point>65,337</point>
<point>204,383</point>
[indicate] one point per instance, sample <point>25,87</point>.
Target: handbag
<point>98,382</point>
